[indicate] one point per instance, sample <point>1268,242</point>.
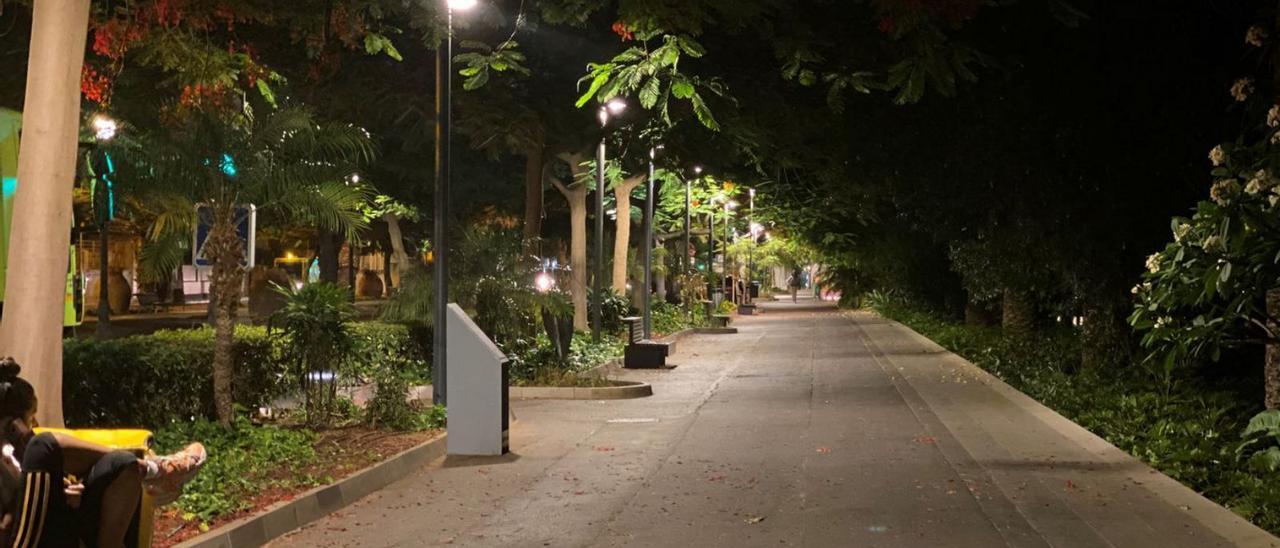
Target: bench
<point>720,320</point>
<point>642,353</point>
<point>137,442</point>
<point>747,309</point>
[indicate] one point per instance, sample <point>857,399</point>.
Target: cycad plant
<point>284,162</point>
<point>316,340</point>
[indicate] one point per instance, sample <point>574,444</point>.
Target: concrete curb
<point>627,391</point>
<point>317,503</point>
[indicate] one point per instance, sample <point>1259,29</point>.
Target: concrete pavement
<point>810,427</point>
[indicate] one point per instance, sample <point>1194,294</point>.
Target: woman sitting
<point>60,491</point>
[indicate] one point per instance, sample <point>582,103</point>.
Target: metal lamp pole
<point>597,286</point>
<point>724,257</point>
<point>751,229</point>
<point>612,107</point>
<point>650,198</point>
<point>444,80</point>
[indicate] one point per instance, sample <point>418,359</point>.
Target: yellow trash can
<point>137,442</point>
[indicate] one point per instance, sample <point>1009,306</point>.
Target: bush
<point>669,318</point>
<point>153,380</point>
<point>165,377</point>
<point>613,309</point>
<point>394,346</point>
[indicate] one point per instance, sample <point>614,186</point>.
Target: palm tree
<point>285,163</point>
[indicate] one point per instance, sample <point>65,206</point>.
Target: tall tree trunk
<point>31,330</point>
<point>1018,313</point>
<point>622,231</point>
<point>387,287</point>
<point>977,314</point>
<point>575,193</point>
<point>1104,339</point>
<point>578,257</point>
<point>227,277</point>
<point>399,255</point>
<point>1271,372</point>
<point>327,250</point>
<point>533,163</point>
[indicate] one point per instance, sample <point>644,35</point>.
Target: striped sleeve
<point>36,491</point>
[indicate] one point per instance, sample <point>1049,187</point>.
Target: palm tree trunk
<point>396,238</point>
<point>227,276</point>
<point>1104,338</point>
<point>1017,314</point>
<point>1271,372</point>
<point>328,251</point>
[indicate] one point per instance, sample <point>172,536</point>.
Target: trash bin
<point>134,441</point>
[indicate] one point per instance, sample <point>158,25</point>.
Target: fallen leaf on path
<point>753,520</point>
<point>716,478</point>
<point>602,448</point>
<point>824,449</point>
<point>1071,485</point>
<point>927,440</point>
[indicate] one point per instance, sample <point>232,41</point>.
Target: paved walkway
<point>811,427</point>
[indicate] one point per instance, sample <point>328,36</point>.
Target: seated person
<point>59,491</point>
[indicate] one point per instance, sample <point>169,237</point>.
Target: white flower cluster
<point>1144,287</point>
<point>1224,190</point>
<point>1261,182</point>
<point>1217,156</point>
<point>1164,321</point>
<point>1213,244</point>
<point>1153,263</point>
<point>1242,89</point>
<point>1273,116</point>
<point>1256,36</point>
<point>1181,231</point>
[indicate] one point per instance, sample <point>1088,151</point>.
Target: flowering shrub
<point>1208,288</point>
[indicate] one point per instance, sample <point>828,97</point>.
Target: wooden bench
<point>720,320</point>
<point>642,353</point>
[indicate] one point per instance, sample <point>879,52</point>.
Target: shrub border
<point>285,517</point>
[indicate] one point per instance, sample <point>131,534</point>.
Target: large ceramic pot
<point>118,292</point>
<point>369,285</point>
<point>264,300</point>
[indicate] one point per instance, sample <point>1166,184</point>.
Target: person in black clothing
<point>59,491</point>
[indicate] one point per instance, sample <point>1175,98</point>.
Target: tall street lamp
<point>751,227</point>
<point>650,198</point>
<point>104,130</point>
<point>724,257</point>
<point>440,251</point>
<point>688,201</point>
<point>612,107</point>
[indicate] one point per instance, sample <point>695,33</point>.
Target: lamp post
<point>104,129</point>
<point>613,107</point>
<point>650,198</point>
<point>688,201</point>
<point>724,257</point>
<point>440,251</point>
<point>751,228</point>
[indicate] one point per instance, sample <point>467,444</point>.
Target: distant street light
<point>104,128</point>
<point>444,81</point>
<point>612,107</point>
<point>751,227</point>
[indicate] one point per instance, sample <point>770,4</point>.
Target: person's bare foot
<point>165,475</point>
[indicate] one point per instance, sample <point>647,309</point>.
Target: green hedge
<point>153,380</point>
